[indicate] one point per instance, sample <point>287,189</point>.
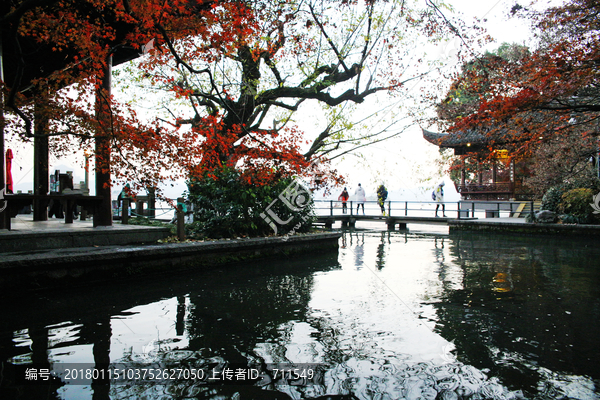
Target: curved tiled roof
<point>457,139</point>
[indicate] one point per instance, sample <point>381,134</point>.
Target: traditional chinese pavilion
<point>22,60</point>
<point>487,172</point>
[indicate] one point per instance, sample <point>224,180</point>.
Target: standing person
<point>439,198</point>
<point>125,194</point>
<point>381,197</point>
<point>344,199</point>
<point>361,197</point>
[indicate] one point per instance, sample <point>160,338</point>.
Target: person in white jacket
<point>361,197</point>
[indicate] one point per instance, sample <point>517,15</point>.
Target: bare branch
<point>333,47</point>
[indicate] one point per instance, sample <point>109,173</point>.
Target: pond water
<point>392,315</point>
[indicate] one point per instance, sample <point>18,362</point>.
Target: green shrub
<point>227,206</point>
<point>576,204</point>
<point>585,181</point>
<point>553,196</point>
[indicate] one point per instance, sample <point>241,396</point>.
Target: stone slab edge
<point>526,228</point>
<point>107,263</point>
<point>31,241</point>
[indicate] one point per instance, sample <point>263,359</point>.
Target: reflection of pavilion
<point>486,173</point>
<point>518,306</point>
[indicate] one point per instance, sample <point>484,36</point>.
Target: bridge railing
<point>457,209</point>
<point>372,208</point>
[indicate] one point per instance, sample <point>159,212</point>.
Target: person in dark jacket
<point>344,199</point>
<point>381,197</point>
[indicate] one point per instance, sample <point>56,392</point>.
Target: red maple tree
<point>232,94</point>
<point>62,83</point>
<point>542,105</point>
<point>282,53</point>
<point>546,95</point>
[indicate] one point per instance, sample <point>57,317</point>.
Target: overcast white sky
<point>406,164</point>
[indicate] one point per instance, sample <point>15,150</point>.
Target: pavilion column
<point>4,215</point>
<point>512,178</point>
<point>512,171</point>
<point>40,159</point>
<point>103,215</point>
<point>463,174</point>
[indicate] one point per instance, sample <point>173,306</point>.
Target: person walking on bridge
<point>439,198</point>
<point>381,197</point>
<point>344,199</point>
<point>361,197</point>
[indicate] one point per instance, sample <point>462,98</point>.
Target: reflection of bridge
<point>420,212</point>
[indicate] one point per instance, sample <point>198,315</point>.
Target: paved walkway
<point>25,223</point>
<point>28,235</point>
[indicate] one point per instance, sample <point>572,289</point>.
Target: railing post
<point>532,216</point>
<point>125,211</point>
<point>351,207</point>
<point>458,209</point>
<point>498,204</point>
<point>180,220</point>
<point>330,207</point>
<point>389,208</point>
<point>473,209</point>
<point>406,208</point>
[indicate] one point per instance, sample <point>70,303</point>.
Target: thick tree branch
<point>316,73</point>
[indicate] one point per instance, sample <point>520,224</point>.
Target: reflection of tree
<point>180,322</point>
<point>524,302</point>
<point>229,318</point>
<point>230,310</point>
<point>253,303</point>
<point>101,351</point>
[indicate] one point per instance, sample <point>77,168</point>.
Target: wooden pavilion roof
<point>458,139</point>
<point>25,60</point>
<point>470,141</point>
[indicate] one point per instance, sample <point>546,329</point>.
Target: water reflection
<point>391,315</point>
<point>527,310</point>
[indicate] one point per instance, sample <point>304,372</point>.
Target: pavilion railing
<point>498,187</point>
